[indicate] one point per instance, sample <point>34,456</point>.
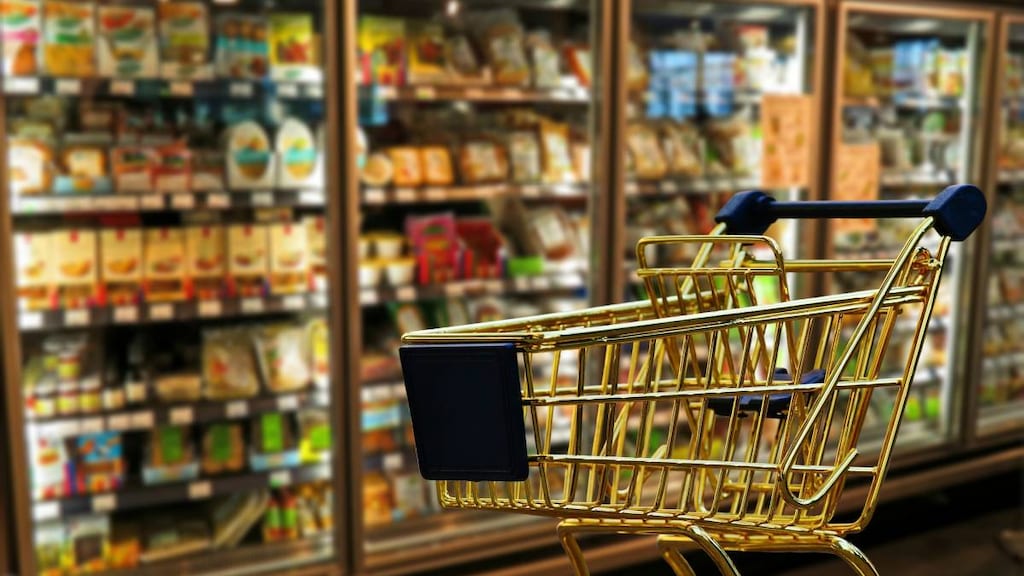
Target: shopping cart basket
<point>704,415</point>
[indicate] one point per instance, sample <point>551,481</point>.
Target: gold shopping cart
<point>706,414</point>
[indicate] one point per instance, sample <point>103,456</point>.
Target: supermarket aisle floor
<point>951,533</point>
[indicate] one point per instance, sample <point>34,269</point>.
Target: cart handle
<point>957,211</point>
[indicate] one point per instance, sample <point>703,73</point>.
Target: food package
<point>501,36</point>
<point>377,503</point>
<point>293,47</point>
<point>30,165</point>
<point>580,161</point>
<point>233,517</point>
<point>121,264</point>
<point>554,144</point>
<point>125,546</point>
<point>223,448</point>
<point>229,368</point>
<point>20,34</point>
<point>248,259</point>
<point>547,71</point>
<point>273,443</point>
<point>249,158</point>
<point>463,64</point>
<point>178,387</point>
<point>427,63</point>
<point>435,245</point>
<point>174,173</point>
<point>289,262</point>
<point>298,156</point>
<point>184,41</point>
<point>169,456</point>
<point>382,47</point>
<point>49,457</point>
<point>581,64</point>
<point>127,42</point>
<point>437,166</point>
<point>205,260</point>
<point>88,543</point>
<point>409,495</point>
<point>207,170</point>
<point>482,161</point>
<point>314,435</point>
<point>74,253</point>
<point>319,349</point>
<point>50,548</point>
<point>99,462</point>
<point>524,156</point>
<point>164,272</point>
<point>648,160</point>
<point>69,38</point>
<point>551,234</point>
<point>169,538</point>
<point>407,166</point>
<point>84,170</point>
<point>134,168</point>
<point>682,146</point>
<point>284,357</point>
<point>379,170</point>
<point>316,241</point>
<point>33,258</point>
<point>733,146</point>
<point>241,46</point>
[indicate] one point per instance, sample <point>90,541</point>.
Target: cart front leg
<point>671,551</point>
<point>567,536</point>
<point>853,556</point>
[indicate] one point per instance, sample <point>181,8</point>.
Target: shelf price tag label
<point>288,403</point>
<point>454,289</point>
<point>237,409</point>
<point>77,317</point>
<point>27,85</point>
<point>118,422</point>
<point>288,90</point>
<point>252,305</point>
<point>126,314</point>
<point>280,478</point>
<point>183,201</point>
<point>293,302</point>
<point>182,416</point>
<point>91,425</point>
<point>218,200</point>
<point>240,90</point>
<point>374,196</point>
<point>541,283</point>
<point>263,199</point>
<point>474,93</point>
<point>122,87</point>
<point>531,191</point>
<point>151,202</point>
<point>180,88</point>
<point>46,511</point>
<point>200,490</point>
<point>669,187</point>
<point>104,502</point>
<point>369,297</point>
<point>142,420</point>
<point>209,308</point>
<point>405,195</point>
<point>68,86</point>
<point>406,293</point>
<point>425,93</point>
<point>435,194</point>
<point>311,198</point>
<point>393,461</point>
<point>30,320</point>
<point>314,91</point>
<point>163,311</point>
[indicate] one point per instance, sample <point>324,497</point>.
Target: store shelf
<point>198,490</point>
<point>905,101</point>
<point>150,417</point>
<point>673,185</point>
<point>376,196</point>
<point>53,204</point>
<point>497,94</point>
<point>1006,312</point>
<point>169,312</point>
<point>156,88</point>
<point>895,178</point>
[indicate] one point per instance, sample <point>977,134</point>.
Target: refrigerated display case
<point>1000,384</point>
<point>721,97</point>
<point>907,120</point>
<point>472,202</point>
<point>170,402</point>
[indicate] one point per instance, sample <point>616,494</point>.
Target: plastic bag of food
<point>229,369</point>
<point>284,357</point>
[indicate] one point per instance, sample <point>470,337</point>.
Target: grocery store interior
<point>224,214</point>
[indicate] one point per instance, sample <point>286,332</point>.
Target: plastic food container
<point>369,274</point>
<point>68,399</point>
<point>388,246</point>
<point>113,398</point>
<point>400,271</point>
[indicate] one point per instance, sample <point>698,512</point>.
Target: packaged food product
<point>99,462</point>
<point>409,495</point>
<point>35,270</point>
<point>69,31</point>
<point>184,40</point>
<point>379,170</point>
<point>170,538</point>
<point>462,61</point>
<point>524,156</point>
<point>316,242</point>
<point>121,264</point>
<point>49,458</point>
<point>248,258</point>
<point>134,168</point>
<point>407,167</point>
<point>298,155</point>
<point>547,72</point>
<point>229,367</point>
<point>164,272</point>
<point>289,265</point>
<point>435,246</point>
<point>20,32</point>
<point>74,253</point>
<point>169,456</point>
<point>125,546</point>
<point>382,44</point>
<point>554,143</point>
<point>223,448</point>
<point>206,260</point>
<point>319,350</point>
<point>408,317</point>
<point>250,159</point>
<point>293,47</point>
<point>84,170</point>
<point>552,233</point>
<point>284,356</point>
<point>89,543</point>
<point>376,499</point>
<point>580,161</point>
<point>127,44</point>
<point>501,36</point>
<point>273,442</point>
<point>30,167</point>
<point>207,170</point>
<point>648,160</point>
<point>174,173</point>
<point>427,64</point>
<point>682,146</point>
<point>233,517</point>
<point>482,161</point>
<point>314,435</point>
<point>241,47</point>
<point>178,387</point>
<point>581,64</point>
<point>437,166</point>
<point>51,544</point>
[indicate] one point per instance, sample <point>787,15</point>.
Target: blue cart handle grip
<point>957,211</point>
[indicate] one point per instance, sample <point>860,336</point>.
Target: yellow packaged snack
<point>437,166</point>
<point>289,262</point>
<point>69,38</point>
<point>20,26</point>
<point>74,254</point>
<point>554,144</point>
<point>30,167</point>
<point>648,160</point>
<point>33,259</point>
<point>248,257</point>
<point>184,40</point>
<point>293,47</point>
<point>206,261</point>
<point>407,166</point>
<point>165,264</point>
<point>121,264</point>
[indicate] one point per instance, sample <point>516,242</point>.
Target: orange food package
<point>206,260</point>
<point>121,264</point>
<point>437,166</point>
<point>75,277</point>
<point>408,170</point>
<point>557,162</point>
<point>164,272</point>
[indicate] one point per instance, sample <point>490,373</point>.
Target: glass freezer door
<point>907,122</point>
<point>169,396</point>
<point>1000,391</point>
